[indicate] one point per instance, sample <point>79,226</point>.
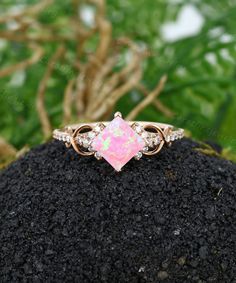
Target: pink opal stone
<point>118,143</point>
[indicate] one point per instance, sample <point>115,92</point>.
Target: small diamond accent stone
<point>168,138</point>
<point>138,156</point>
<point>157,140</point>
<point>118,143</point>
<point>98,128</point>
<point>98,156</point>
<point>90,149</point>
<point>138,128</point>
<point>145,149</point>
<point>91,135</point>
<point>173,137</point>
<point>85,143</point>
<point>144,135</point>
<point>79,140</point>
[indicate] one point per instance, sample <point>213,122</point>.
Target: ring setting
<point>118,141</point>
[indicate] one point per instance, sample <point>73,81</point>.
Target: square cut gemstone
<point>118,143</point>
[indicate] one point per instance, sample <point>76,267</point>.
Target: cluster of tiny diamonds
<point>86,139</point>
<point>175,135</point>
<point>151,139</point>
<point>62,137</point>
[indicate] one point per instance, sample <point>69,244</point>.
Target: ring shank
<point>162,126</point>
<point>170,132</point>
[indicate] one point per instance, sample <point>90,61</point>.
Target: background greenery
<point>201,92</point>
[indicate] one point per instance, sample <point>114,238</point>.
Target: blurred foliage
<point>201,89</point>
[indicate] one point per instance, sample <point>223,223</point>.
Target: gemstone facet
<point>118,143</point>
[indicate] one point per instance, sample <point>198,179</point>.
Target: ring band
<point>118,141</point>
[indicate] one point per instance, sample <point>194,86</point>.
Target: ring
<point>118,141</point>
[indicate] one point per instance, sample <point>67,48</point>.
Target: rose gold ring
<point>118,141</point>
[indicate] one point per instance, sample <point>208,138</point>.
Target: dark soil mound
<point>169,218</point>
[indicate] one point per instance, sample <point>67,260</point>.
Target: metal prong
<point>117,114</point>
